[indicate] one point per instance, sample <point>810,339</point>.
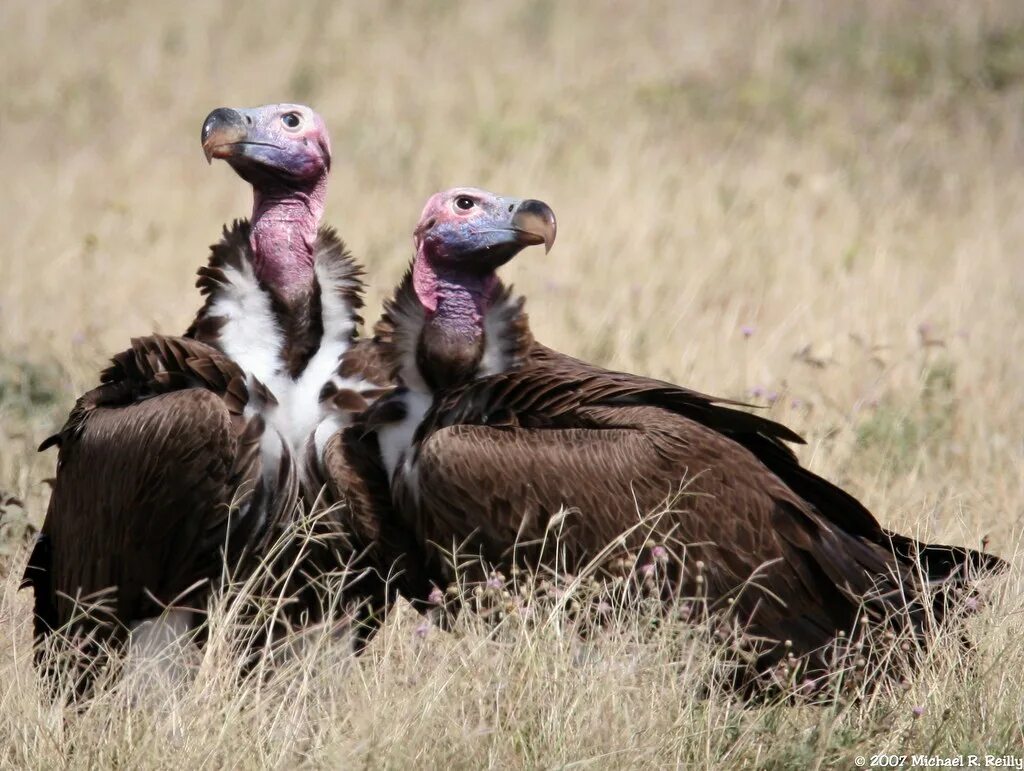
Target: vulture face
<point>474,230</point>
<point>274,143</point>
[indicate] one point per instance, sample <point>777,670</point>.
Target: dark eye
<point>291,120</point>
<point>464,202</point>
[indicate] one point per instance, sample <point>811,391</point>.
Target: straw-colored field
<point>815,205</point>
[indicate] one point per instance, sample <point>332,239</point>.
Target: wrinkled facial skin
<point>273,143</point>
<point>475,230</point>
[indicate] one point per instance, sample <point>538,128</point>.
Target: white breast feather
<point>250,334</point>
<point>157,649</point>
<point>252,337</point>
<point>334,419</point>
<point>495,359</point>
<point>396,438</point>
<point>305,414</point>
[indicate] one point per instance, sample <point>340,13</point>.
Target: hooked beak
<point>534,223</point>
<point>224,134</point>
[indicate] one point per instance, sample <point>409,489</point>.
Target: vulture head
<point>470,231</point>
<point>464,235</point>
<point>276,143</point>
<point>283,151</point>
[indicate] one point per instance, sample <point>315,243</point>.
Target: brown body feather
<point>794,558</point>
<point>149,464</point>
<point>152,460</point>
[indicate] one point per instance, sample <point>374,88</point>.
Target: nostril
<point>511,206</point>
<point>248,120</point>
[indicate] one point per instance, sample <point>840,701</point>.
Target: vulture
<point>512,453</point>
<point>187,461</point>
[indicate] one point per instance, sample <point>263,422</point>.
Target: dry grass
<point>846,180</point>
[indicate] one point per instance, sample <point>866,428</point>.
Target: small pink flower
<point>971,604</point>
<point>659,554</point>
<point>918,711</point>
<point>809,685</point>
<point>422,630</point>
<point>647,570</point>
<point>436,596</point>
<point>495,583</point>
<point>747,330</point>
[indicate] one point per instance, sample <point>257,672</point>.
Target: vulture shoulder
<point>636,477</point>
<point>148,468</point>
<point>504,464</point>
<point>767,439</point>
<point>572,382</point>
<point>601,444</point>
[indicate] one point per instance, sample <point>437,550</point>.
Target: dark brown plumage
<point>638,464</point>
<point>196,453</point>
<point>184,463</point>
<point>384,557</point>
<point>149,464</point>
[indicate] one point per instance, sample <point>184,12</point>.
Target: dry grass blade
<point>814,206</point>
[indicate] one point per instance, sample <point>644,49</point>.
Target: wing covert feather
<point>148,466</point>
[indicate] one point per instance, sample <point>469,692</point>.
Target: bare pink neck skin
<point>283,235</point>
<point>455,300</point>
<point>452,340</point>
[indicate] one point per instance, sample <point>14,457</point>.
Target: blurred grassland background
<point>812,206</point>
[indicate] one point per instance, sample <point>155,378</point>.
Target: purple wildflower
<point>436,596</point>
<point>809,685</point>
<point>659,554</point>
<point>422,630</point>
<point>918,711</point>
<point>747,330</point>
